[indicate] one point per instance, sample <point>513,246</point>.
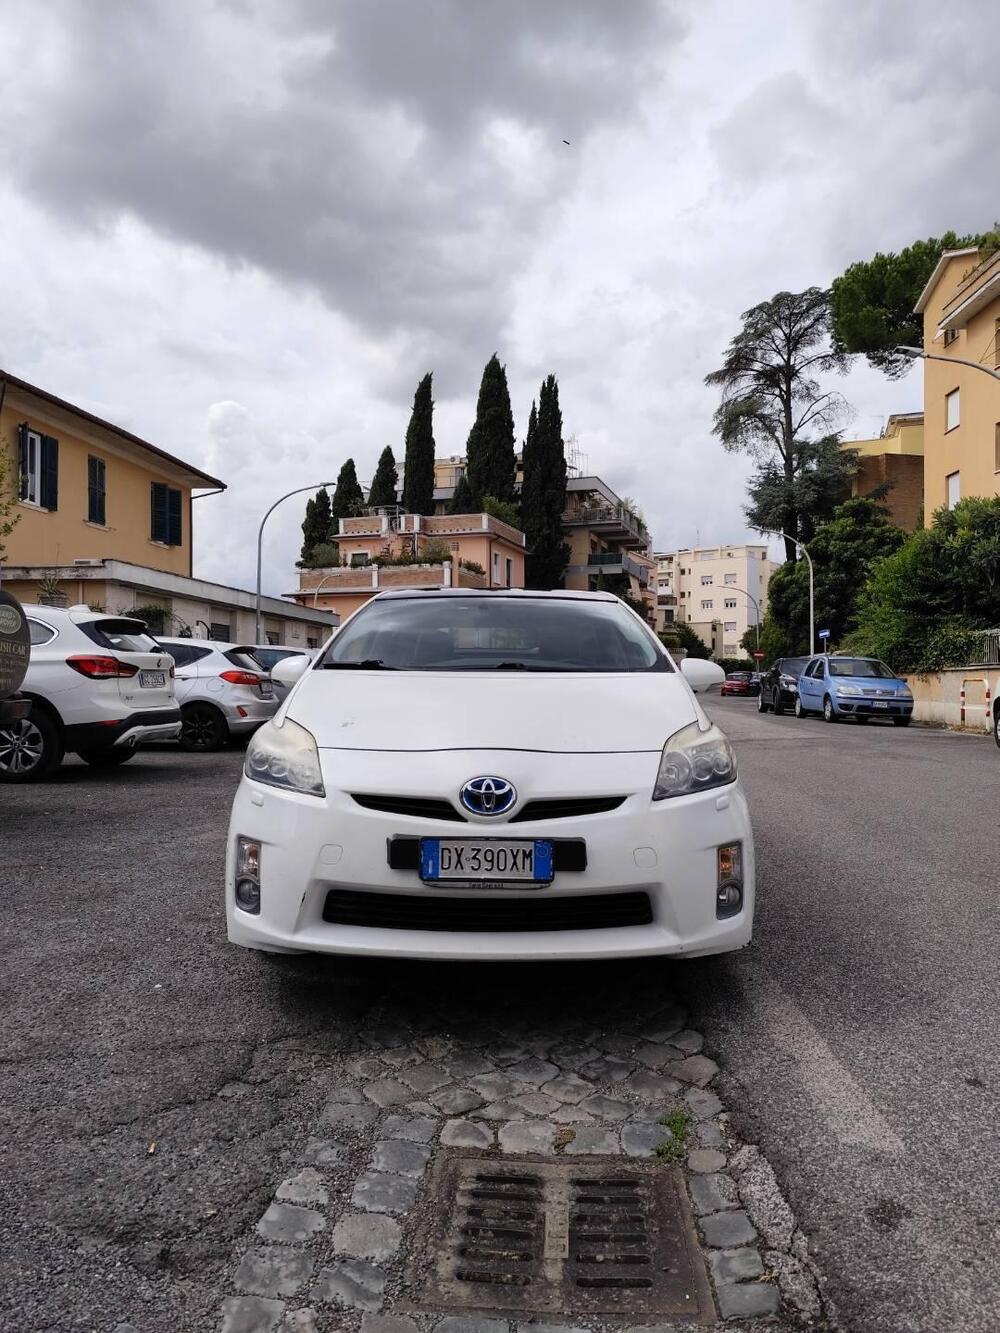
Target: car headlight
<point>789,683</point>
<point>694,760</point>
<point>285,756</point>
<point>847,689</point>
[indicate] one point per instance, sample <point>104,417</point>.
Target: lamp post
<point>918,354</point>
<point>325,579</point>
<point>756,605</point>
<point>300,490</point>
<point>801,546</point>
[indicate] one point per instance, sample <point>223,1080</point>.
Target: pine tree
<point>543,491</point>
<point>462,500</point>
<point>316,525</point>
<point>385,481</point>
<point>418,465</point>
<point>348,497</point>
<point>490,460</point>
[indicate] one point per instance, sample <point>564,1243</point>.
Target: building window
<point>729,626</point>
<point>96,508</point>
<point>38,468</point>
<point>219,630</point>
<point>706,580</point>
<point>496,566</point>
<point>272,638</point>
<point>730,578</point>
<point>453,546</point>
<point>706,606</point>
<point>165,514</point>
<point>510,573</point>
<point>312,641</point>
<point>950,336</point>
<point>996,344</point>
<point>954,489</point>
<point>952,414</point>
<point>730,603</point>
<point>360,558</point>
<point>730,650</point>
<point>996,447</point>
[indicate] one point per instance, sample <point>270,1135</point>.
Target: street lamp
<point>918,354</point>
<point>801,546</point>
<point>260,537</point>
<point>325,579</point>
<point>731,587</point>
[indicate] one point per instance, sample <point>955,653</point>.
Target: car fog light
<point>248,895</point>
<point>247,858</point>
<point>728,899</point>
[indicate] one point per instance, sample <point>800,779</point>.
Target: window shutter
<point>22,461</point>
<point>49,492</point>
<point>158,511</point>
<point>173,517</point>
<point>95,490</point>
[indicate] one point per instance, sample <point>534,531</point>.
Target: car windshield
<point>793,666</point>
<point>494,633</point>
<point>860,666</point>
<point>270,657</point>
<point>738,675</point>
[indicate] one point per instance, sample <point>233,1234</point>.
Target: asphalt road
<point>860,1033</point>
<point>154,1081</point>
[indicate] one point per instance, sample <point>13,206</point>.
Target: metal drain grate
<point>569,1237</point>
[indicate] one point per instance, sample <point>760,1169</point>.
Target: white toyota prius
<point>491,775</point>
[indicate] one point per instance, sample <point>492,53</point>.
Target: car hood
<point>566,713</point>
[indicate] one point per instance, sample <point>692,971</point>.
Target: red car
<point>738,682</point>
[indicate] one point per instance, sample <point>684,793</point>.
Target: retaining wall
<point>960,697</point>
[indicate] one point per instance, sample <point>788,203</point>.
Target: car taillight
<point>101,668</point>
<point>241,678</point>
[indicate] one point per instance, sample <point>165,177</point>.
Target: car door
<point>186,662</point>
<point>809,687</point>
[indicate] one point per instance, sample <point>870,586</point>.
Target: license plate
<point>879,703</point>
<point>485,861</point>
<point>152,680</point>
<point>267,689</point>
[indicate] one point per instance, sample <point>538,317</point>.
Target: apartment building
<point>387,549</point>
<point>720,591</point>
<point>664,571</point>
<point>893,463</point>
<point>104,518</point>
<point>961,310</point>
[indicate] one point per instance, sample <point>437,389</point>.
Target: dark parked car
<point>779,687</point>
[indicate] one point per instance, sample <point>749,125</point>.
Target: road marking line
<point>852,1116</point>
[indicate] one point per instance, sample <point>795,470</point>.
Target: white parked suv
<point>98,685</point>
<point>222,690</point>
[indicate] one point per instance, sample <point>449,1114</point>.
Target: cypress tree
<point>543,491</point>
<point>348,497</point>
<point>418,464</point>
<point>462,500</point>
<point>316,524</point>
<point>490,460</point>
<point>385,481</point>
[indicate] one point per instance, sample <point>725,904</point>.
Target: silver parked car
<point>222,689</point>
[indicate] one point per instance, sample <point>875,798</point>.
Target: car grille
<point>399,911</point>
<point>420,807</point>
<point>567,808</point>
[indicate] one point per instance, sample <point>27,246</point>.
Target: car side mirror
<point>289,669</point>
<point>701,674</point>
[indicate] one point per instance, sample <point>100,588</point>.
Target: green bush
<point>505,510</point>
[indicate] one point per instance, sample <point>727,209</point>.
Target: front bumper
<point>665,850</point>
<point>873,707</point>
<point>148,724</point>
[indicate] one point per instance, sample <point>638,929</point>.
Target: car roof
<point>530,594</point>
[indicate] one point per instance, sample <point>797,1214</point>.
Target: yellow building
<point>894,461</point>
<point>720,591</point>
<point>88,490</point>
<point>961,309</point>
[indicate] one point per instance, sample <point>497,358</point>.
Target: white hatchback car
<point>98,685</point>
<point>222,690</point>
<point>500,775</point>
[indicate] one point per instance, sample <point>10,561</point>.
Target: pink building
<point>389,550</point>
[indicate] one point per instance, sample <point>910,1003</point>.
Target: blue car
<point>860,687</point>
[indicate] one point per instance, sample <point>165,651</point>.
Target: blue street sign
<point>824,633</point>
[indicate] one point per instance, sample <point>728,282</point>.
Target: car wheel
<point>202,728</point>
<point>120,754</point>
<point>761,705</point>
<point>829,714</point>
<point>799,710</point>
<point>905,722</point>
<point>30,748</point>
<point>779,707</point>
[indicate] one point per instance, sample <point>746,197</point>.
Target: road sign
<point>759,656</point>
<point>824,633</point>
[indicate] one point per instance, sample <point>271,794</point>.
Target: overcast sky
<point>244,229</point>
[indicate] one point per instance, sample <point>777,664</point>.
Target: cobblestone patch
<point>329,1251</point>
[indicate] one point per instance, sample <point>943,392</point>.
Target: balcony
<point>610,521</point>
<point>613,563</point>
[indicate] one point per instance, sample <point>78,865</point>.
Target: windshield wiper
<point>369,664</point>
